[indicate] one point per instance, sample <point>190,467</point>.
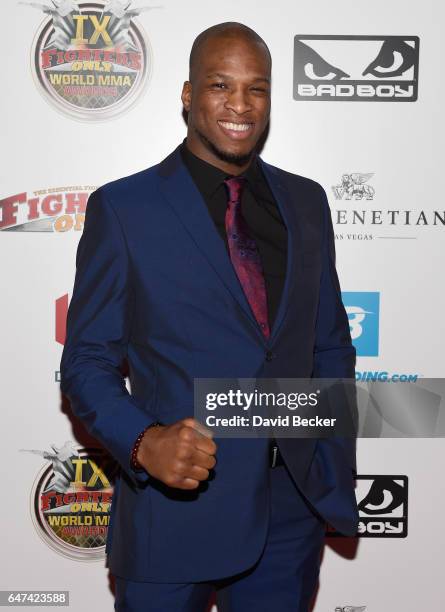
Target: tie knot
<point>235,186</point>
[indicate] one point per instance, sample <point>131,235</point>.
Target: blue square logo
<point>363,310</point>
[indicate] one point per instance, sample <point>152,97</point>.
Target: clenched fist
<point>180,455</point>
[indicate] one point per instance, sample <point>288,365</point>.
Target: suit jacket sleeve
<point>334,354</point>
<point>98,328</point>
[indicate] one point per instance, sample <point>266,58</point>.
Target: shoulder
<point>308,197</point>
<point>124,195</point>
<point>295,183</point>
<point>129,188</point>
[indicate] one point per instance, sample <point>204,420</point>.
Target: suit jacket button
<point>269,356</point>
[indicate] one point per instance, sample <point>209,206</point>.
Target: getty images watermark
<point>305,408</point>
<point>252,402</point>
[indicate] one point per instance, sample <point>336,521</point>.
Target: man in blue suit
<point>211,264</point>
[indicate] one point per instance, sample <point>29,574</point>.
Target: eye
<point>394,64</point>
<point>219,85</point>
<point>323,75</point>
<point>382,501</point>
<point>384,496</point>
<point>315,67</point>
<point>394,58</point>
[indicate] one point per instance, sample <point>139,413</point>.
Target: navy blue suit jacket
<point>154,284</point>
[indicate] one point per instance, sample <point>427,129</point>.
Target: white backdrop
<point>399,143</point>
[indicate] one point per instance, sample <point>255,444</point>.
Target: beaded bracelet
<point>134,463</point>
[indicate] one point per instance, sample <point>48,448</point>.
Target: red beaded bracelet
<point>134,463</point>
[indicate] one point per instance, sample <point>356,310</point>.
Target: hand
<point>179,455</point>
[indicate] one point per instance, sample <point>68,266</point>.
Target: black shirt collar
<point>209,178</point>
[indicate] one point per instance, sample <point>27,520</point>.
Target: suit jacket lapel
<point>284,203</point>
<point>185,199</point>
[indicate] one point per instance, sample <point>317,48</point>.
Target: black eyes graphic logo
<point>384,496</point>
<point>394,58</point>
<point>315,67</point>
<point>356,68</point>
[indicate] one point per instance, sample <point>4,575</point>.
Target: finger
<point>196,472</point>
<point>193,436</point>
<point>203,459</point>
<point>203,430</point>
<point>182,469</point>
<point>197,426</point>
<point>188,484</point>
<point>187,434</point>
<point>205,445</point>
<point>177,481</point>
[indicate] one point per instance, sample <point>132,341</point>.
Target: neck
<point>198,148</point>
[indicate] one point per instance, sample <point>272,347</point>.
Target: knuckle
<point>185,433</point>
<point>183,451</point>
<point>211,447</point>
<point>179,466</point>
<point>188,422</point>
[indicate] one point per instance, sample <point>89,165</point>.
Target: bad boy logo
<point>383,506</point>
<point>382,502</point>
<point>358,68</point>
<point>90,59</point>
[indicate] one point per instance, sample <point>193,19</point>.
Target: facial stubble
<point>225,156</point>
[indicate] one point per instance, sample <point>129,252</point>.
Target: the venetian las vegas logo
<point>91,60</point>
<point>358,215</point>
<point>354,186</point>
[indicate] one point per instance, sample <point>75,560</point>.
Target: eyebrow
<point>226,76</point>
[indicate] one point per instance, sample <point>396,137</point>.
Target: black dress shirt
<point>260,212</point>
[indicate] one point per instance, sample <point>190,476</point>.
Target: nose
<point>238,101</point>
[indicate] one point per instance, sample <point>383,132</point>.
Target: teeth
<point>237,127</point>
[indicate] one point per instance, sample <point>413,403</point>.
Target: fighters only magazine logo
<point>59,209</point>
<point>90,60</point>
<point>71,500</point>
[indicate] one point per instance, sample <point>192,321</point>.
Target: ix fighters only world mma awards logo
<point>71,500</point>
<point>91,60</point>
<point>356,68</point>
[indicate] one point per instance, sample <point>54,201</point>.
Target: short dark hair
<point>226,29</point>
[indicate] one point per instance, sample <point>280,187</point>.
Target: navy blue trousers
<point>284,578</point>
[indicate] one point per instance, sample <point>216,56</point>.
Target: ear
<point>186,95</point>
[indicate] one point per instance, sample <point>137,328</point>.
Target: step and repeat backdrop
<point>90,93</point>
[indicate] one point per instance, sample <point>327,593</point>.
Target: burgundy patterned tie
<point>244,254</point>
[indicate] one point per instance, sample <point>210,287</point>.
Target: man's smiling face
<point>228,100</point>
